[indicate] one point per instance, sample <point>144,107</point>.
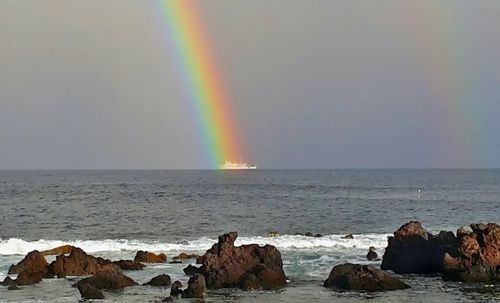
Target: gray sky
<point>314,84</point>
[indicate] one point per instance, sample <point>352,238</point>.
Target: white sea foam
<point>14,246</point>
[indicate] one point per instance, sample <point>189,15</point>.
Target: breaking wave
<point>14,246</point>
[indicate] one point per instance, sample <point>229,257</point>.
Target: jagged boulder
<point>31,269</point>
<point>33,262</point>
<point>363,278</point>
<point>78,263</point>
<point>8,281</point>
<point>191,270</point>
<point>225,265</point>
<point>89,292</point>
<point>414,250</point>
<point>478,255</point>
<point>196,287</point>
<point>148,257</point>
<point>109,278</point>
<point>161,280</point>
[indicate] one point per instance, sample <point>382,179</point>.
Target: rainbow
<point>198,69</point>
<point>438,30</point>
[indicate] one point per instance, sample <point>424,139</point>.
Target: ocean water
<point>115,213</point>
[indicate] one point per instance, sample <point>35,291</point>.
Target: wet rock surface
<point>196,287</point>
<point>175,289</point>
<point>363,278</point>
<point>88,292</point>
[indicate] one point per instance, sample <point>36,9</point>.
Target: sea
<point>113,214</point>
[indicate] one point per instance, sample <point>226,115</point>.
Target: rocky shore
<point>471,256</point>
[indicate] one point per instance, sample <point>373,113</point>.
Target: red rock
<point>224,265</point>
<point>148,257</point>
<point>31,269</point>
<point>78,263</point>
<point>33,262</point>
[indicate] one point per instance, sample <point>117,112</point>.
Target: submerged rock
<point>184,256</point>
<point>225,265</point>
<point>110,279</point>
<point>129,265</point>
<point>148,257</point>
<point>196,287</point>
<point>348,237</point>
<point>362,277</point>
<point>161,280</point>
<point>13,287</point>
<point>8,281</point>
<point>89,292</point>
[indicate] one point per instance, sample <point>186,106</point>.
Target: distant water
<point>115,213</point>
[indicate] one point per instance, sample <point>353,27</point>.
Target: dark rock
<point>196,287</point>
<point>184,256</point>
<point>250,282</point>
<point>414,250</point>
<point>129,265</point>
<point>8,281</point>
<point>308,234</point>
<point>224,265</point>
<point>191,270</point>
<point>318,235</point>
<point>161,280</point>
<point>349,237</point>
<point>168,299</point>
<point>88,292</point>
<point>29,278</point>
<point>148,257</point>
<point>372,254</point>
<point>362,277</point>
<point>12,287</point>
<point>175,290</point>
<point>175,262</point>
<point>31,269</point>
<point>78,263</point>
<point>108,279</point>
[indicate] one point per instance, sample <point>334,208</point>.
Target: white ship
<point>234,165</point>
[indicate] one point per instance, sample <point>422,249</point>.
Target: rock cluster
<point>469,256</point>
